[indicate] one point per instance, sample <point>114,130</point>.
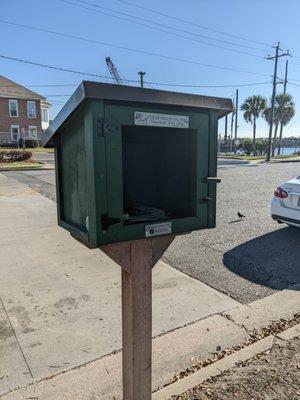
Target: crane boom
<point>113,71</point>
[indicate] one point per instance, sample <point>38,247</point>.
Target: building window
<point>31,109</point>
<point>15,132</point>
<point>45,115</point>
<point>13,108</point>
<point>32,132</point>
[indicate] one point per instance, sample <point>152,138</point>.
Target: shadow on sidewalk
<point>271,260</point>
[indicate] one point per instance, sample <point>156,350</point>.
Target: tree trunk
<point>275,138</point>
<point>280,139</point>
<point>254,136</point>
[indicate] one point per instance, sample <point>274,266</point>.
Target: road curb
<point>263,312</point>
<point>290,333</point>
<point>223,365</point>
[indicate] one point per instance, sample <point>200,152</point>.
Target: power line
<point>157,84</point>
<point>159,29</point>
<point>293,123</point>
<point>47,85</point>
<point>131,49</point>
<point>169,26</point>
<point>294,84</point>
<point>206,86</point>
<point>192,23</point>
<point>54,67</point>
<point>127,80</point>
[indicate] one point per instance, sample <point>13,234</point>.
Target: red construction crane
<point>113,71</point>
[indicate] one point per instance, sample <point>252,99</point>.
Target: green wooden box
<point>134,163</point>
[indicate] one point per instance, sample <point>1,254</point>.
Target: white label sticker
<point>158,229</point>
<point>166,120</point>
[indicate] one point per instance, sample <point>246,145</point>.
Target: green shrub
<point>14,156</point>
<point>246,146</point>
<point>31,143</point>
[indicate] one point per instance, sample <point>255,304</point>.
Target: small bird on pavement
<point>241,215</point>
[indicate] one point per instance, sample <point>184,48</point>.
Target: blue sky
<point>263,23</point>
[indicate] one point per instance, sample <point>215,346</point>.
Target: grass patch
<point>20,165</point>
<point>32,150</point>
<point>286,156</point>
<point>253,158</point>
<point>243,157</point>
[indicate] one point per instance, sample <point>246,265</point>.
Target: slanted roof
<point>106,91</point>
<point>13,90</point>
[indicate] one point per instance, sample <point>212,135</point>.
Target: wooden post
<point>137,259</point>
<point>137,323</point>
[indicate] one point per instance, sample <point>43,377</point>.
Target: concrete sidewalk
<point>60,304</point>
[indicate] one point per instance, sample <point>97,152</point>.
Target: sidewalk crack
<point>15,335</point>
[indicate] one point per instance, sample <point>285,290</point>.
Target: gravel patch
<point>273,375</point>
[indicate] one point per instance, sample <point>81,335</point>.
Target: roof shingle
<point>11,89</point>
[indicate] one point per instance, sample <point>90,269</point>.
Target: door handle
<point>212,179</point>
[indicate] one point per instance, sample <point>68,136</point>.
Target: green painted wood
<point>100,169</point>
<point>90,171</point>
<point>124,115</point>
<point>58,165</point>
<point>95,167</point>
<point>212,168</point>
<point>116,116</point>
<point>73,175</point>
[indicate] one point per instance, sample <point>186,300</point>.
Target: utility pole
<point>236,118</point>
<point>231,126</point>
<point>226,132</point>
<point>276,57</point>
<point>141,73</point>
<point>284,92</point>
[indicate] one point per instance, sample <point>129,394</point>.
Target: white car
<point>285,205</point>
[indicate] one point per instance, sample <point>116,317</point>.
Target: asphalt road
<point>47,158</point>
<point>247,259</point>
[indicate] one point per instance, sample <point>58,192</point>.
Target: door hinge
<point>106,221</point>
<point>104,127</point>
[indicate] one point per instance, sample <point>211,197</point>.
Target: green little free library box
<point>134,163</point>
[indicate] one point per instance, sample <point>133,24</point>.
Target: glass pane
<point>44,115</point>
<point>33,132</point>
<point>13,108</point>
<point>31,109</point>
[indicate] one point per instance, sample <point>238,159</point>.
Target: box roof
<point>106,91</point>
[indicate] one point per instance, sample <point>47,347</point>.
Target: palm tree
<point>267,115</point>
<point>284,110</point>
<point>253,108</point>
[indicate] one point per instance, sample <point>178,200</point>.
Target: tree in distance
<point>253,108</point>
<point>284,111</point>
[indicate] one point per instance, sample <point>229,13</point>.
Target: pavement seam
<point>274,338</point>
<point>112,353</point>
<point>17,340</point>
<point>197,320</point>
<point>229,318</point>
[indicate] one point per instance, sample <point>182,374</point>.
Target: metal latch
<point>106,221</point>
<point>212,179</point>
